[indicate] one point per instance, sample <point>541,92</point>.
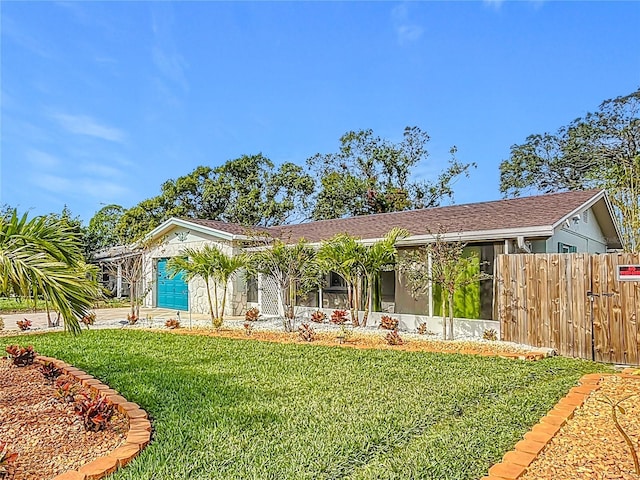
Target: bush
<point>393,338</point>
<point>21,356</point>
<point>339,317</point>
<point>306,332</point>
<point>89,319</point>
<point>50,371</point>
<point>388,323</point>
<point>252,315</point>
<point>131,318</point>
<point>1,323</point>
<point>6,460</point>
<point>66,388</point>
<point>24,324</point>
<point>490,334</point>
<point>248,328</point>
<point>95,412</point>
<point>318,316</point>
<point>422,329</point>
<point>172,323</point>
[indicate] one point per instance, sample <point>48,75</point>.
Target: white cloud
<point>406,30</point>
<point>100,170</point>
<point>86,125</point>
<point>86,187</point>
<point>41,159</point>
<point>495,4</point>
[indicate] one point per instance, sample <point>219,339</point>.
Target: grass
<point>26,305</point>
<point>243,409</point>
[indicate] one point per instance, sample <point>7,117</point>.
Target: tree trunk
<point>224,301</point>
<point>450,315</point>
<point>444,317</point>
<point>206,282</point>
<point>215,298</point>
<point>350,301</point>
<point>369,302</point>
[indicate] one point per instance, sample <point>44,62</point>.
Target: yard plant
<point>238,409</point>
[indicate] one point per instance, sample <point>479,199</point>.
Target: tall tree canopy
<point>249,190</point>
<point>600,150</point>
<point>372,175</point>
<point>102,230</point>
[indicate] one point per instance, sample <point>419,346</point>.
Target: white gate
<point>268,296</point>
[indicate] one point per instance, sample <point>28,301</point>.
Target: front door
<point>173,292</point>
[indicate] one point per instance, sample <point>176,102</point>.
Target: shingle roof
<point>514,213</point>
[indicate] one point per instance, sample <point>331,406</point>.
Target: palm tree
<point>213,266</point>
<point>376,258</point>
<point>43,256</point>
<point>341,254</point>
<point>294,270</point>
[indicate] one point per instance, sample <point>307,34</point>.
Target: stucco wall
<point>586,236</point>
<point>172,245</point>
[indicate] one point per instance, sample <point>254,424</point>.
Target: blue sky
<point>103,101</point>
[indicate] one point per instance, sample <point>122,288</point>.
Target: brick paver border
<point>514,464</point>
<point>138,436</point>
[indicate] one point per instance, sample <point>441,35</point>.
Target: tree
<point>43,256</point>
<point>211,264</point>
<point>102,231</point>
<point>372,175</point>
<point>600,150</point>
<point>376,258</point>
<point>445,264</point>
<point>341,254</point>
<point>293,268</point>
<point>249,190</point>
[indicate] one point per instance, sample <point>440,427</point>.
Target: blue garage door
<point>172,292</point>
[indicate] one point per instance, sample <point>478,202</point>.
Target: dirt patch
<point>589,446</point>
<point>46,433</point>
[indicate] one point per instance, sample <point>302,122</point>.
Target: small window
<point>336,281</point>
<point>564,248</point>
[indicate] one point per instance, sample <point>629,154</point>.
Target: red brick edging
<point>514,464</point>
<point>138,436</point>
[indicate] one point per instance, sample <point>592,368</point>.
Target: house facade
<point>580,221</point>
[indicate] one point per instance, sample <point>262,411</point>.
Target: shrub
<point>6,460</point>
<point>252,314</point>
<point>248,328</point>
<point>131,318</point>
<point>345,334</point>
<point>217,323</point>
<point>306,332</point>
<point>490,334</point>
<point>1,323</point>
<point>24,324</point>
<point>422,329</point>
<point>172,323</point>
<point>95,412</point>
<point>66,388</point>
<point>339,317</point>
<point>89,319</point>
<point>50,371</point>
<point>388,323</point>
<point>318,316</point>
<point>21,356</point>
<point>393,338</point>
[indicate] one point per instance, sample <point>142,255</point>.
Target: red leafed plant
<point>24,324</point>
<point>66,388</point>
<point>6,459</point>
<point>394,338</point>
<point>252,315</point>
<point>339,317</point>
<point>21,356</point>
<point>388,323</point>
<point>50,371</point>
<point>318,316</point>
<point>172,323</point>
<point>95,412</point>
<point>306,332</point>
<point>89,319</point>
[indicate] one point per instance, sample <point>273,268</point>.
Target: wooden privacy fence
<point>566,301</point>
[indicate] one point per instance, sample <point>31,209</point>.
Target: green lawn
<point>233,409</point>
<point>26,305</point>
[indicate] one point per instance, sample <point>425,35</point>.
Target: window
<point>564,248</point>
<point>252,289</point>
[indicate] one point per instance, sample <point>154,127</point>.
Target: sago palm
<point>43,256</point>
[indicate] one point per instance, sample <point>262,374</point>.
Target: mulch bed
<point>362,340</point>
<point>46,433</point>
<point>589,447</point>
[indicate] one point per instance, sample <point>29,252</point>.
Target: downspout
<point>522,245</point>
